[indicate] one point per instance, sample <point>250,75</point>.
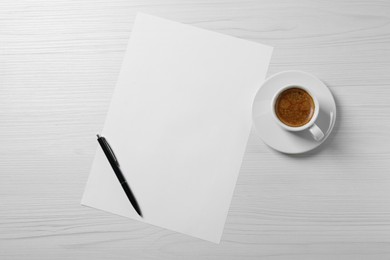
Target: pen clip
<point>111,151</point>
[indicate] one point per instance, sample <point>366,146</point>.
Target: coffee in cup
<point>296,109</point>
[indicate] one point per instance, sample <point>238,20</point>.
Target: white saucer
<point>272,133</point>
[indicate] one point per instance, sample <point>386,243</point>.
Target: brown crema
<point>294,107</point>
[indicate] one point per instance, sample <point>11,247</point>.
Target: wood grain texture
<point>58,65</point>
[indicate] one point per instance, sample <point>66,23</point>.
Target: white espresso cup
<point>315,131</point>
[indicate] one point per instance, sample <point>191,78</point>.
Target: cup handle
<point>316,132</point>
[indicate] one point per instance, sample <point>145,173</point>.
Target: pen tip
<point>98,136</point>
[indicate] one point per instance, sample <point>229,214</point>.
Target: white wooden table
<point>58,65</point>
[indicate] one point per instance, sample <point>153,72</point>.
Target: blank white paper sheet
<point>178,123</point>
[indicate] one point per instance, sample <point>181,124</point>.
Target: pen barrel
<point>119,174</point>
<point>115,166</point>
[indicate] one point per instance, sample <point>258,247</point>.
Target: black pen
<point>115,166</point>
